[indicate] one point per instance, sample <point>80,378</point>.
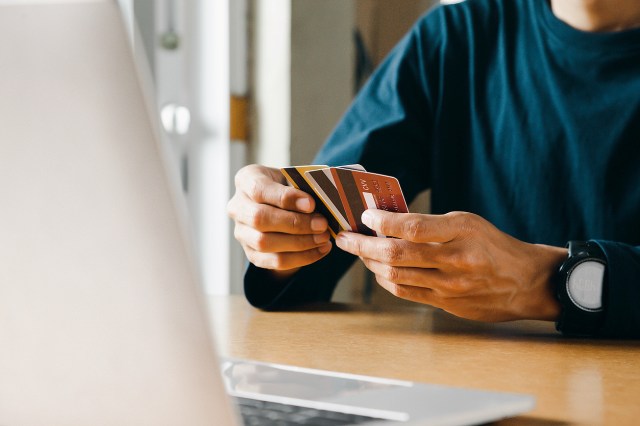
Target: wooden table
<point>576,381</point>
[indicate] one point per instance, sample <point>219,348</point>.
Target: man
<point>523,117</point>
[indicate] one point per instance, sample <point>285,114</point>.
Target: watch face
<point>584,285</point>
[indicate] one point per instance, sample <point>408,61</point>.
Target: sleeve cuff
<point>313,283</point>
<point>622,291</point>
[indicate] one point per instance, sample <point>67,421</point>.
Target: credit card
<point>295,177</point>
<point>325,188</point>
<point>360,190</point>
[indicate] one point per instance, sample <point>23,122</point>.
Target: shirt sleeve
<point>386,129</point>
<point>622,292</point>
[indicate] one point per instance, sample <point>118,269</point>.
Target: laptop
<point>102,317</point>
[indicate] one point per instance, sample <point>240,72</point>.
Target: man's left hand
<point>458,262</point>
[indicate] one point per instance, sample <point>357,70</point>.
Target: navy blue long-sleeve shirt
<point>502,110</point>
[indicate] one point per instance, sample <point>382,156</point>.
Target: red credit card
<point>360,190</point>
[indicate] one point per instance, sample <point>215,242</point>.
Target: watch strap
<point>585,248</point>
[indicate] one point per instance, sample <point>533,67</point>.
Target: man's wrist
<point>545,306</point>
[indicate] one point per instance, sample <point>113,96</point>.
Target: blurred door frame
<point>198,54</point>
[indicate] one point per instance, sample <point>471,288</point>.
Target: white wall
<point>208,90</point>
<point>303,76</point>
<point>271,124</point>
<point>322,72</point>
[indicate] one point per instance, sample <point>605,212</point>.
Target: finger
<point>444,285</point>
<point>419,228</point>
<point>414,294</point>
<point>395,252</point>
<point>417,277</point>
<point>274,242</point>
<point>266,218</point>
<point>287,260</point>
<point>264,186</point>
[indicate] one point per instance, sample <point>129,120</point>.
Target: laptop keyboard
<point>263,413</point>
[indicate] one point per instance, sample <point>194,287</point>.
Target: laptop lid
<point>101,315</point>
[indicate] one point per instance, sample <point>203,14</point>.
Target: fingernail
<point>321,238</point>
<point>367,218</point>
<point>303,204</point>
<point>341,239</point>
<point>318,223</point>
<point>324,248</point>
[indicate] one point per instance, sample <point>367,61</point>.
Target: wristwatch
<point>580,287</point>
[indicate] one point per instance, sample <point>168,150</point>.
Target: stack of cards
<point>342,194</point>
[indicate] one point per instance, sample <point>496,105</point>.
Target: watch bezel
<point>580,261</point>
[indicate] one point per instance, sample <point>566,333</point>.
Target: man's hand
<point>274,223</point>
<point>458,262</point>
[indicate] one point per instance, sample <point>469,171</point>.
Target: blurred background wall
<point>258,81</point>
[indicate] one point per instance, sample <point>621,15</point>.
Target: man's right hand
<point>275,223</point>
